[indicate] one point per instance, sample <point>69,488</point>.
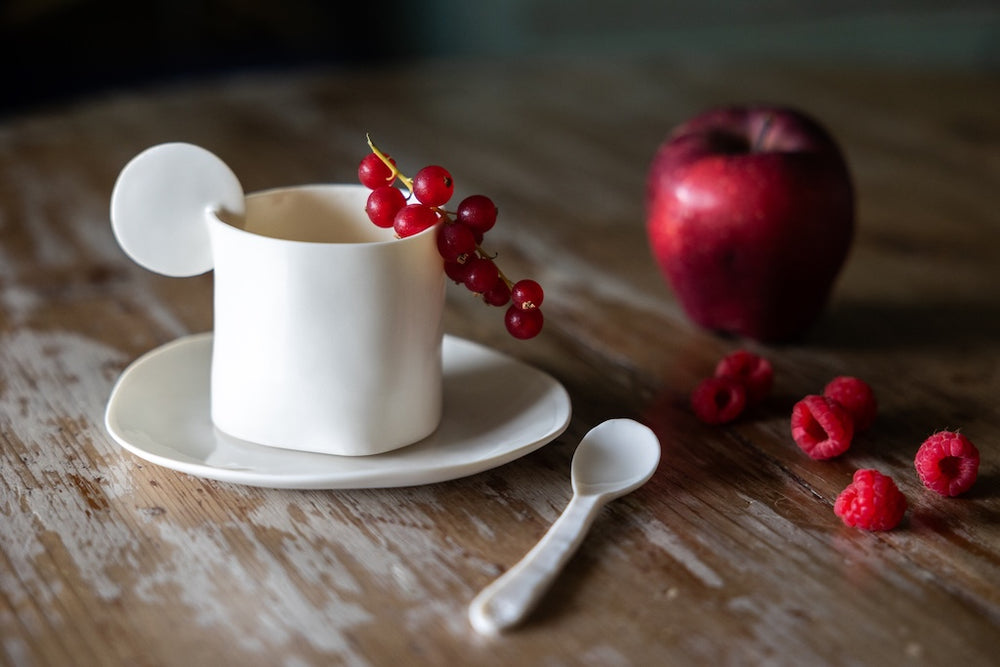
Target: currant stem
<point>503,277</point>
<point>395,173</point>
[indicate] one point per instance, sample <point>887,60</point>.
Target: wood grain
<point>730,555</point>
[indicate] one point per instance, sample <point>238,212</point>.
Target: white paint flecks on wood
<point>730,554</point>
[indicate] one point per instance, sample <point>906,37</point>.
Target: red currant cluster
<point>459,236</point>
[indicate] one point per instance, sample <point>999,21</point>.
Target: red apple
<point>750,217</point>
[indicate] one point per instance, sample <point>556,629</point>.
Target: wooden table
<point>730,555</point>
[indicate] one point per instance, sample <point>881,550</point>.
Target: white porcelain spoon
<point>613,459</point>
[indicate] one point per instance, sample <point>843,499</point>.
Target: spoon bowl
<point>614,458</point>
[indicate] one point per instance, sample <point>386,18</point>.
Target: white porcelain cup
<point>327,329</point>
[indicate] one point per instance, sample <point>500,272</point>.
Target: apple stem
<point>758,143</point>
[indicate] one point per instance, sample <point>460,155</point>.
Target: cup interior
<point>312,213</point>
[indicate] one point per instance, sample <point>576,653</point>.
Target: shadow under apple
<point>963,325</point>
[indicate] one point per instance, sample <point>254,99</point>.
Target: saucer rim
<point>392,469</point>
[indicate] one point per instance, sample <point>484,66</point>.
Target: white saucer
<point>496,409</point>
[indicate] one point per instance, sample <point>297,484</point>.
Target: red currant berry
<point>455,240</point>
<point>498,295</point>
<point>478,212</point>
<point>373,173</point>
<point>481,274</point>
<point>433,185</point>
<point>383,204</point>
<point>455,270</point>
<point>524,323</point>
<point>413,219</point>
<point>527,294</point>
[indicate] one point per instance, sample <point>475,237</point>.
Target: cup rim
<point>213,215</point>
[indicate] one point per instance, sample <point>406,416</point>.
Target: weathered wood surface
<point>730,555</point>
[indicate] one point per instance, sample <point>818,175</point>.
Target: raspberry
<point>752,371</point>
<point>948,463</point>
<point>855,395</point>
<point>872,501</point>
<point>718,400</point>
<point>821,427</point>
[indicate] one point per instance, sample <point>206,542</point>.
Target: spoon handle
<point>508,599</point>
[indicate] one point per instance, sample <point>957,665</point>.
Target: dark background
<point>58,50</point>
